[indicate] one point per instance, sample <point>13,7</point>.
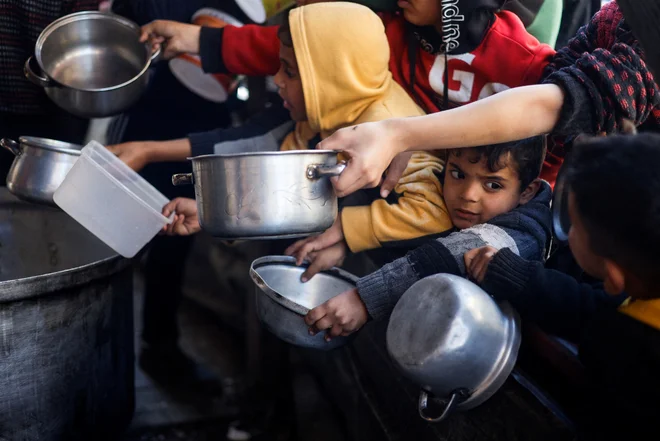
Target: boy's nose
<point>470,193</point>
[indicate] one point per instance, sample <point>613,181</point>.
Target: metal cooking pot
<point>40,167</point>
<point>283,300</point>
<point>264,195</point>
<point>450,337</point>
<point>92,63</point>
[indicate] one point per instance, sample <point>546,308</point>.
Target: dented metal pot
<point>267,195</point>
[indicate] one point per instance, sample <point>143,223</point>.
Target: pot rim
<point>257,154</point>
<point>290,261</point>
<point>50,144</point>
<point>89,15</point>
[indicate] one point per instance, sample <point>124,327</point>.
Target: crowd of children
<point>473,197</point>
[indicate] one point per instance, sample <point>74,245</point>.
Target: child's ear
<point>615,278</point>
<point>529,192</point>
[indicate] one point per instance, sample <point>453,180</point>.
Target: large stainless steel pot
<point>40,167</point>
<point>450,337</point>
<point>264,195</point>
<point>283,300</point>
<point>66,315</point>
<point>92,63</point>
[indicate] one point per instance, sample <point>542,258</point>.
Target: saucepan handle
<point>317,171</point>
<point>182,179</point>
<point>40,80</point>
<point>455,399</point>
<point>11,145</point>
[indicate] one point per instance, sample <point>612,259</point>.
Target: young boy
<point>493,196</point>
<point>614,209</point>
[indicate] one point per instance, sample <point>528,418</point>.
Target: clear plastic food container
<point>112,201</point>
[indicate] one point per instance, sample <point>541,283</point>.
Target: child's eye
<point>456,174</point>
<point>493,185</point>
<point>289,73</point>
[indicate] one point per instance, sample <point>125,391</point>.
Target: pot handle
<point>457,397</point>
<point>155,57</point>
<point>182,179</point>
<point>11,145</point>
<point>317,171</point>
<point>39,80</point>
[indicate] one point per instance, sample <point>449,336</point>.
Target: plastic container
<point>112,201</point>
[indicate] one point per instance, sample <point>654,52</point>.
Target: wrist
<point>194,44</point>
<point>401,134</point>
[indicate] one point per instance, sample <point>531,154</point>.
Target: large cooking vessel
<point>66,315</point>
<point>92,63</point>
<point>450,337</point>
<point>267,195</point>
<point>40,167</point>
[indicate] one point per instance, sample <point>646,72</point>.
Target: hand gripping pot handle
<point>317,171</point>
<point>458,396</point>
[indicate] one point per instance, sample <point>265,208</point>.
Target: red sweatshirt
<point>507,57</point>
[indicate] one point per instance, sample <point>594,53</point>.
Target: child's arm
<point>557,302</point>
<point>524,230</point>
<point>419,210</point>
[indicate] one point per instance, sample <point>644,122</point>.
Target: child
<point>330,80</point>
<point>485,52</point>
<point>613,206</point>
<point>593,84</point>
<point>479,184</point>
<point>491,196</point>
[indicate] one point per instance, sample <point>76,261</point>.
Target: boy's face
<point>290,85</point>
<point>474,195</point>
<point>421,12</point>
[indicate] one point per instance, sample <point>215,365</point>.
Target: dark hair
<point>526,157</point>
<point>616,184</point>
<point>284,33</point>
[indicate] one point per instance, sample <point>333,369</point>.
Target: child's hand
<point>133,154</point>
<point>324,260</point>
<point>302,249</point>
<point>477,260</point>
<point>174,38</point>
<point>185,221</point>
<point>341,315</point>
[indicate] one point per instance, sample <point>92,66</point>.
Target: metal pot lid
<point>561,221</point>
<point>279,278</point>
<point>51,144</point>
<point>447,335</point>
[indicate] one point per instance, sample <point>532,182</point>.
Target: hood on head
<point>342,54</point>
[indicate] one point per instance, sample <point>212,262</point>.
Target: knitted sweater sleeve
<point>604,78</point>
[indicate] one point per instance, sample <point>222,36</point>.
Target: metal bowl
<point>92,63</point>
<point>283,300</point>
<point>451,338</point>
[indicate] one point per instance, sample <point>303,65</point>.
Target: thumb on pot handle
<point>11,145</point>
<point>317,171</point>
<point>40,80</point>
<point>182,179</point>
<point>456,398</point>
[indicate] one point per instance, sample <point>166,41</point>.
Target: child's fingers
<point>336,331</point>
<point>293,249</point>
<point>468,259</point>
<point>315,314</point>
<point>321,325</point>
<point>314,268</point>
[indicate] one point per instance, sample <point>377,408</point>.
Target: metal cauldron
<point>92,63</point>
<point>40,167</point>
<point>268,195</point>
<point>451,338</point>
<point>283,300</point>
<point>66,315</point>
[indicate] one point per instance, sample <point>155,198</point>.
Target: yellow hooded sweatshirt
<point>343,54</point>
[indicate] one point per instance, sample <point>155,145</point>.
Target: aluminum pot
<point>264,195</point>
<point>450,337</point>
<point>92,63</point>
<point>283,300</point>
<point>66,313</point>
<point>40,167</point>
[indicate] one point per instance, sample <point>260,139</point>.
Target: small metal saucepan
<point>91,64</point>
<point>40,167</point>
<point>269,195</point>
<point>283,300</point>
<point>450,337</point>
